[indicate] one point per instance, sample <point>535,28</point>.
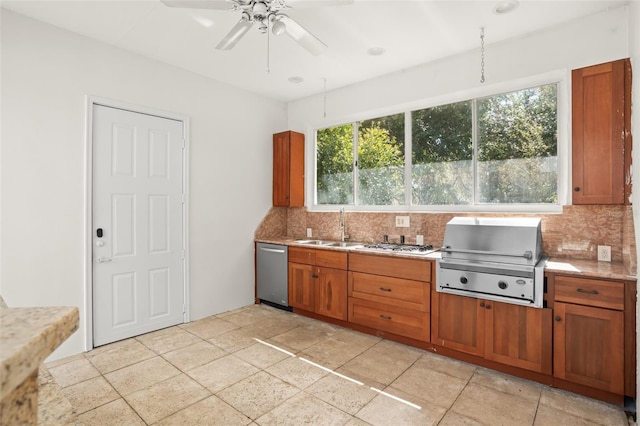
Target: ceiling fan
<point>266,13</point>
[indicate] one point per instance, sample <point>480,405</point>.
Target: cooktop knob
<point>464,280</point>
<point>502,285</point>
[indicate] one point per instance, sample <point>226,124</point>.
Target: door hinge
<point>183,198</point>
<point>183,254</point>
<point>184,143</point>
<point>184,308</point>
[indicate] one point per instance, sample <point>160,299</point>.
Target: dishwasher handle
<point>272,250</point>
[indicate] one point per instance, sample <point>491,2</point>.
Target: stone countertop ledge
<point>27,337</point>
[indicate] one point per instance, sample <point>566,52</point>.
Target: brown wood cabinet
<point>288,169</point>
<point>600,133</point>
<point>390,294</point>
<point>318,281</point>
<point>509,334</point>
<point>589,333</point>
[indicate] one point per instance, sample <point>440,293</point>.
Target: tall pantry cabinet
<point>288,169</point>
<point>601,139</point>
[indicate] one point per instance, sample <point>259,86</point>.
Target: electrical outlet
<point>309,233</point>
<point>604,253</point>
<point>419,240</point>
<point>402,221</point>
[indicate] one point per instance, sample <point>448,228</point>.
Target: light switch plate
<point>604,253</point>
<point>309,233</point>
<point>402,221</point>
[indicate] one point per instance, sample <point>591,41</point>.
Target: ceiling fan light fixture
<point>505,7</point>
<point>260,10</point>
<point>279,28</point>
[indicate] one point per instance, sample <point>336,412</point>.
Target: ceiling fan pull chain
<point>482,55</point>
<point>268,47</point>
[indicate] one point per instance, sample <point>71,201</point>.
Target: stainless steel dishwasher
<point>272,274</point>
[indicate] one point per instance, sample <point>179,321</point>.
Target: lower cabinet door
<point>518,335</point>
<point>588,345</point>
<point>331,293</point>
<point>301,281</point>
<point>457,323</point>
<point>401,321</point>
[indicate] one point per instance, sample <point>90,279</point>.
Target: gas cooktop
<point>401,248</point>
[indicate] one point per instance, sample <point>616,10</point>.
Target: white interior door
<point>138,241</point>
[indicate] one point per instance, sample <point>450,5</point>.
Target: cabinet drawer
<point>302,255</point>
<point>410,269</point>
<point>328,258</point>
<point>404,322</point>
<point>583,291</point>
<point>392,291</point>
<point>331,259</point>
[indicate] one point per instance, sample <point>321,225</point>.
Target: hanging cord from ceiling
<point>324,100</point>
<point>482,55</point>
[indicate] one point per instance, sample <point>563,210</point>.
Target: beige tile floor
<point>263,366</point>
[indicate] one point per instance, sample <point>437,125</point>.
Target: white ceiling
<point>411,32</point>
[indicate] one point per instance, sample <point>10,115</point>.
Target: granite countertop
<point>592,268</point>
<point>294,242</point>
<point>28,336</point>
<point>565,266</point>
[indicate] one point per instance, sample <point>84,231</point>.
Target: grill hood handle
<point>448,249</point>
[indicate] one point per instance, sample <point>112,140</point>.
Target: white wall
<point>595,39</point>
<point>46,73</point>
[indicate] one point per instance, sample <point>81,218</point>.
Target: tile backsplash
<point>575,233</point>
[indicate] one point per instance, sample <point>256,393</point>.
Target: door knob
<point>103,259</point>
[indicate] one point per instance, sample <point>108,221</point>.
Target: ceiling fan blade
<point>307,40</point>
<point>201,4</point>
<point>234,36</point>
<point>297,4</point>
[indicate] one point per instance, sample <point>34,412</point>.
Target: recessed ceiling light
<point>296,79</point>
<point>376,51</point>
<point>506,6</point>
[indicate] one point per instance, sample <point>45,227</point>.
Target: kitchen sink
<point>316,242</point>
<point>346,244</point>
<point>329,243</point>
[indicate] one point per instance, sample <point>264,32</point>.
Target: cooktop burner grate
<point>409,248</point>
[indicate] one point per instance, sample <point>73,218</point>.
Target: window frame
<point>559,77</point>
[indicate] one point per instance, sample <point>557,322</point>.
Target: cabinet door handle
<point>580,290</point>
<point>488,306</point>
<point>314,276</point>
<point>558,319</point>
<point>577,189</point>
<point>482,304</point>
<point>384,289</point>
<point>387,317</point>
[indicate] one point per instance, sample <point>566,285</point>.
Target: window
<point>517,147</point>
<point>442,155</point>
<point>375,158</point>
<point>495,150</point>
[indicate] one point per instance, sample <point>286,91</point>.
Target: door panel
<point>457,322</point>
<point>138,272</point>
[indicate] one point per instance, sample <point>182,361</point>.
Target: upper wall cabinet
<point>288,169</point>
<point>601,142</point>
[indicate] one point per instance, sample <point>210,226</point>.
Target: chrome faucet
<point>342,224</point>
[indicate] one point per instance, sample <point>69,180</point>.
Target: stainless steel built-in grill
<point>493,258</point>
